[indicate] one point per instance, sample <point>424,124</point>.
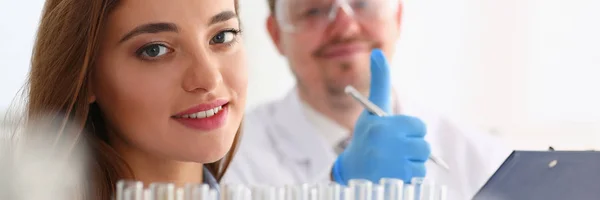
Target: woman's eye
<point>154,50</point>
<point>224,37</point>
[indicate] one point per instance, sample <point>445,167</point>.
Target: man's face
<point>330,50</point>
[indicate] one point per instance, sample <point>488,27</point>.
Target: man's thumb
<point>380,90</point>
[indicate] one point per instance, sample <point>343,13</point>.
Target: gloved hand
<point>383,147</point>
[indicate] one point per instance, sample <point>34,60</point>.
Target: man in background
<point>303,138</point>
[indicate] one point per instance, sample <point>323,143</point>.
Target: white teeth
<point>203,114</point>
<point>210,112</point>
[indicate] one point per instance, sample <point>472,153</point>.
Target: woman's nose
<point>203,73</point>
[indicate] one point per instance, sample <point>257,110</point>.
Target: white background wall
<point>525,70</point>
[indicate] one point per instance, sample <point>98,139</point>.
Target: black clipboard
<point>545,175</point>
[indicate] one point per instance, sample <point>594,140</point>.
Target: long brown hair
<point>63,55</point>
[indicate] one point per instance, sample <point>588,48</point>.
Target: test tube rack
<point>357,189</point>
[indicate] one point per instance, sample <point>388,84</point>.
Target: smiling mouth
<point>206,119</point>
<point>202,114</point>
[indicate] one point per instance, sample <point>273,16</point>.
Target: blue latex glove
<point>383,147</point>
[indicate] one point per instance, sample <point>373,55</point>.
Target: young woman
<point>158,87</point>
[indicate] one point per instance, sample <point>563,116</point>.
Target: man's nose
<point>203,73</point>
<point>343,22</point>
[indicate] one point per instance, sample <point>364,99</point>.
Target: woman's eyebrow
<point>222,16</point>
<point>150,28</point>
<point>170,27</point>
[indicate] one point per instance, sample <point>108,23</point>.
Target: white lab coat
<point>280,146</point>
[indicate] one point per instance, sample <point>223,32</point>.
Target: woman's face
<point>171,78</point>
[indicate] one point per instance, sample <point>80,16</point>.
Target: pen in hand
<point>371,107</point>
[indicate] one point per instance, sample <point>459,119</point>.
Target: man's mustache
<point>323,48</point>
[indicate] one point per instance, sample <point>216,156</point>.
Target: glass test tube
<point>162,191</point>
<point>147,194</point>
<point>426,189</point>
<point>331,191</point>
<point>420,188</point>
<point>228,191</point>
<point>247,194</point>
<point>130,190</point>
<point>273,193</point>
<point>235,192</point>
<point>347,193</point>
<point>133,194</point>
<point>409,192</point>
<point>213,194</point>
<point>361,189</point>
<point>313,193</point>
<point>378,192</point>
<point>179,194</point>
<point>196,192</point>
<point>441,193</point>
<point>304,192</point>
<point>263,193</point>
<point>393,189</point>
<point>297,192</point>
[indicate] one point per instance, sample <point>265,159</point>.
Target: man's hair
<point>271,6</point>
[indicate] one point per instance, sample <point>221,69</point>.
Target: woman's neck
<point>149,168</point>
<point>179,173</point>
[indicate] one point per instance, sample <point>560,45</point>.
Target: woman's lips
<point>205,120</point>
<point>205,117</point>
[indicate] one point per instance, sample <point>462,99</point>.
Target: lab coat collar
<point>330,130</point>
<point>299,131</point>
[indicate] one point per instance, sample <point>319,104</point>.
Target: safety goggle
<point>298,15</point>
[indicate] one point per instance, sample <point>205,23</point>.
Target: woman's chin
<point>215,154</point>
<point>214,157</point>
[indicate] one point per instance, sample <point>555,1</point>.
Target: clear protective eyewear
<point>299,15</point>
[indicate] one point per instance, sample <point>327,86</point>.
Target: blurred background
<point>523,70</point>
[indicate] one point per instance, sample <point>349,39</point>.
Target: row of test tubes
<point>358,189</point>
